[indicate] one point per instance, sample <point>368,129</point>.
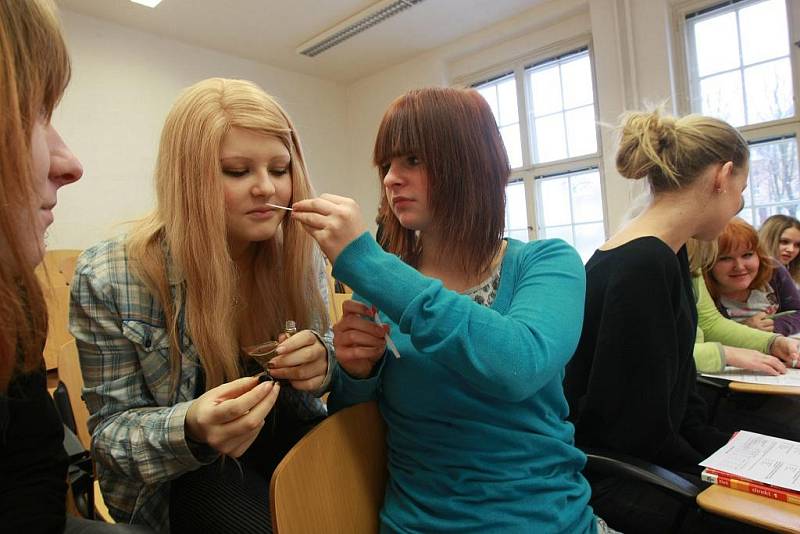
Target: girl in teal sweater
<point>477,434</point>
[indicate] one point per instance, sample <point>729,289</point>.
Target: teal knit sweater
<point>477,434</point>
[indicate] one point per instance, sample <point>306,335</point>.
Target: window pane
<point>507,95</point>
<point>511,140</point>
<point>769,91</point>
<point>519,235</point>
<point>549,135</point>
<point>587,238</point>
<point>581,132</point>
<point>764,31</point>
<point>554,200</point>
<point>502,98</point>
<point>576,77</point>
<point>747,215</point>
<point>489,93</point>
<point>558,232</point>
<point>722,97</point>
<point>516,207</point>
<point>587,204</point>
<point>774,175</point>
<point>545,88</point>
<point>716,44</point>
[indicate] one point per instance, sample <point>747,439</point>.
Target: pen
<point>781,314</point>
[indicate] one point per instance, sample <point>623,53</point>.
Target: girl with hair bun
<point>631,382</point>
<point>780,237</point>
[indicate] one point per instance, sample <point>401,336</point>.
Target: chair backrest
<point>334,478</point>
<point>69,372</point>
<point>58,335</point>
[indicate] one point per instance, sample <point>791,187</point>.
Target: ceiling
<point>269,31</point>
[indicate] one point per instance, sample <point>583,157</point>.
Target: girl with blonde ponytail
<point>160,316</point>
<point>631,382</point>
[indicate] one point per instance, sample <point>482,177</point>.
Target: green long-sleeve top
<point>714,331</point>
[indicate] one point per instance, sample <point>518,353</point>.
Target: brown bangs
<point>397,136</point>
<point>454,134</point>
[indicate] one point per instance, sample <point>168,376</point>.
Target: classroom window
<point>545,110</point>
<point>562,114</point>
<point>739,63</point>
<point>568,209</point>
<point>501,94</point>
<point>774,182</point>
<point>516,211</point>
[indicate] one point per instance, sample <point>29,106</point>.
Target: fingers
<point>311,220</point>
<point>306,371</point>
<point>359,308</point>
<point>321,205</point>
<point>233,389</point>
<point>352,323</point>
<point>232,409</point>
<point>301,348</point>
<point>236,437</point>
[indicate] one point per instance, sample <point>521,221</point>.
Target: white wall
<point>630,44</point>
<point>124,83</point>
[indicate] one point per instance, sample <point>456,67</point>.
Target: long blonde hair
<point>183,241</point>
<point>34,71</point>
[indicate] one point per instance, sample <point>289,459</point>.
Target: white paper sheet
<point>791,378</point>
<point>773,461</point>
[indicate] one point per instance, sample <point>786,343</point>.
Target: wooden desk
<point>744,387</point>
<point>752,509</point>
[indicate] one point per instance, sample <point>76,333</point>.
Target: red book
<point>751,486</point>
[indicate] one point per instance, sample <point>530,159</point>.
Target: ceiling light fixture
<point>148,3</point>
<point>356,24</point>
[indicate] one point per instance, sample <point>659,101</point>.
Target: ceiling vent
<point>356,24</point>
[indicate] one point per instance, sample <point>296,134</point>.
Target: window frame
<point>753,133</point>
<point>529,172</point>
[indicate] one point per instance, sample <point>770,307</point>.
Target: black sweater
<point>33,463</point>
<point>631,382</point>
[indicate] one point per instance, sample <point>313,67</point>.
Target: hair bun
<point>647,143</point>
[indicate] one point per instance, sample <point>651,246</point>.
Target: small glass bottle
<point>290,328</point>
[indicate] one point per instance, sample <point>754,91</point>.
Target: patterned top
<point>485,292</point>
<point>137,421</point>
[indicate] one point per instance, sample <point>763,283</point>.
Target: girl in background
<point>160,317</point>
<point>780,237</point>
<point>722,342</point>
<point>750,287</point>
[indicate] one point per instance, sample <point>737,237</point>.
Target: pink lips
<point>261,213</point>
<point>401,201</point>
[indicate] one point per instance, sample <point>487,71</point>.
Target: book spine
<point>750,487</point>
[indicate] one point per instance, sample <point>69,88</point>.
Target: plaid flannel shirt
<point>137,422</point>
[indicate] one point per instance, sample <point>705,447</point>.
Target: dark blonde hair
<point>189,223</point>
<point>453,132</point>
<point>770,237</point>
<point>736,235</point>
<point>671,152</point>
<point>34,71</point>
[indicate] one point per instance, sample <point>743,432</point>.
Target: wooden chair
<point>333,480</point>
<point>58,335</point>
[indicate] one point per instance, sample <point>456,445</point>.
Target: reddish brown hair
<point>34,70</point>
<point>740,235</point>
<point>453,132</point>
